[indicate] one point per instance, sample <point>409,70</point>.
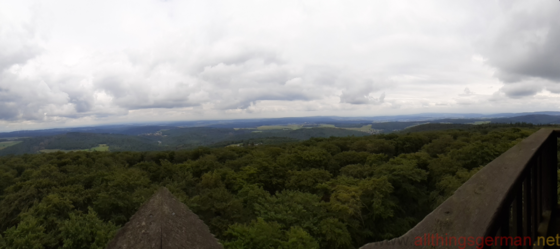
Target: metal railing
<point>532,199</point>
<point>514,196</point>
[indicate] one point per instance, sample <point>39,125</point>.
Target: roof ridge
<point>164,222</point>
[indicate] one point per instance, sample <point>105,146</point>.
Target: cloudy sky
<point>76,62</point>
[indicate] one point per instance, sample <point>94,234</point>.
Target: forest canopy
<point>321,193</point>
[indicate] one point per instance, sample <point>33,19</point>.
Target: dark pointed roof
<point>163,222</point>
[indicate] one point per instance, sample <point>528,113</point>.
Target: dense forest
<point>338,192</point>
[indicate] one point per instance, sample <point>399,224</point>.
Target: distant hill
<point>80,141</point>
<point>436,127</point>
<point>384,123</point>
<point>114,129</point>
<point>170,139</point>
<point>192,134</point>
<point>533,119</point>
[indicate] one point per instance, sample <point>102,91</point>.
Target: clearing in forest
<point>7,144</point>
<point>101,147</point>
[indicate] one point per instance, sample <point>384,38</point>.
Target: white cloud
<point>106,61</point>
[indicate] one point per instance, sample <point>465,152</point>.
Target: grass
<point>365,128</point>
<point>481,122</point>
<point>101,147</point>
<point>7,144</point>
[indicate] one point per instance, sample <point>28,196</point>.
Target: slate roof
<point>163,222</point>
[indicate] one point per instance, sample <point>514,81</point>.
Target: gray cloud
<point>81,103</point>
<point>523,43</point>
<point>134,94</point>
<point>17,46</point>
<point>253,69</point>
<point>238,55</point>
<point>246,98</point>
<point>519,90</point>
<point>466,92</point>
<point>114,86</point>
<point>554,88</point>
<point>362,95</point>
<point>8,111</point>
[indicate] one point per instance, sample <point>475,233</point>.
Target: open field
<point>279,127</point>
<point>293,127</point>
<point>365,128</point>
<point>7,144</point>
<point>481,122</point>
<point>101,147</point>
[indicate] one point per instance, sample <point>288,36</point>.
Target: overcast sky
<point>76,62</point>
